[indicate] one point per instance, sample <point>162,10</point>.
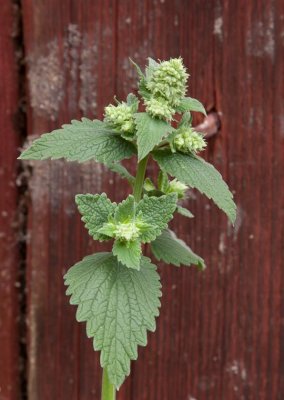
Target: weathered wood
<point>9,254</point>
<point>218,336</point>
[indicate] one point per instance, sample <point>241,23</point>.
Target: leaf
<point>157,212</point>
<point>128,253</point>
<point>119,306</point>
<point>197,173</point>
<point>150,132</point>
<point>122,171</point>
<point>80,141</point>
<point>95,210</point>
<point>185,212</point>
<point>172,250</point>
<point>190,104</point>
<point>125,210</point>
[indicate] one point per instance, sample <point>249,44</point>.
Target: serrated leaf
<point>185,212</point>
<point>95,210</point>
<point>197,173</point>
<point>168,248</point>
<point>80,141</point>
<point>150,132</point>
<point>157,212</point>
<point>125,210</point>
<point>190,104</point>
<point>128,253</point>
<point>119,306</point>
<point>122,171</point>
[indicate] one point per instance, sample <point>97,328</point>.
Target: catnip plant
<point>118,292</point>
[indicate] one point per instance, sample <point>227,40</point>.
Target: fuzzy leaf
<point>172,250</point>
<point>80,141</point>
<point>185,212</point>
<point>190,104</point>
<point>150,132</point>
<point>157,212</point>
<point>119,305</point>
<point>128,253</point>
<point>197,173</point>
<point>122,171</point>
<point>125,210</point>
<point>95,210</point>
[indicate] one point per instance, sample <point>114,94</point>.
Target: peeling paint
<point>218,27</point>
<point>68,71</point>
<point>260,38</point>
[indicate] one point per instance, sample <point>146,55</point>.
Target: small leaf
<point>119,305</point>
<point>185,212</point>
<point>150,132</point>
<point>80,141</point>
<point>172,250</point>
<point>190,104</point>
<point>122,171</point>
<point>197,173</point>
<point>125,210</point>
<point>133,102</point>
<point>128,253</point>
<point>156,212</point>
<point>95,210</point>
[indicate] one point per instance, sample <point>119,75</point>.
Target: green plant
<point>117,293</point>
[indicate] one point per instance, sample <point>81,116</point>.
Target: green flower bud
<point>159,108</point>
<point>178,187</point>
<point>120,117</point>
<point>169,80</point>
<point>188,140</point>
<point>127,231</point>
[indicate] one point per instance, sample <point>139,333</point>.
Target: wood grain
<point>218,335</point>
<point>9,254</point>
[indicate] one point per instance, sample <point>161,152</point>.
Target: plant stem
<point>140,175</point>
<point>108,389</point>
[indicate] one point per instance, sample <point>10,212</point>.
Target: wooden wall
<point>218,335</point>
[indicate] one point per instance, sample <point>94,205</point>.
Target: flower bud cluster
<point>126,231</point>
<point>188,140</point>
<point>167,85</point>
<point>120,117</point>
<point>177,187</point>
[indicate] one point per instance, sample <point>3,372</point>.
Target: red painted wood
<point>9,266</point>
<point>218,336</point>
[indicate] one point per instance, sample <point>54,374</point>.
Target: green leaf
<point>185,212</point>
<point>125,210</point>
<point>157,212</point>
<point>122,171</point>
<point>95,210</point>
<point>128,253</point>
<point>119,306</point>
<point>172,250</point>
<point>197,173</point>
<point>190,104</point>
<point>150,132</point>
<point>133,102</point>
<point>80,141</point>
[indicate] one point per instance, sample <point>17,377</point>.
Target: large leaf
<point>197,173</point>
<point>172,250</point>
<point>190,104</point>
<point>150,132</point>
<point>118,304</point>
<point>95,210</point>
<point>157,212</point>
<point>80,141</point>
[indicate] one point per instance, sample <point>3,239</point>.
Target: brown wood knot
<point>210,126</point>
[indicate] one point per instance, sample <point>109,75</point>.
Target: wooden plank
<point>217,328</point>
<point>9,252</point>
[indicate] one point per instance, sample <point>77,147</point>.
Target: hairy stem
<point>108,389</point>
<point>140,175</point>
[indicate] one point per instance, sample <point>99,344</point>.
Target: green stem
<point>108,389</point>
<point>140,175</point>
